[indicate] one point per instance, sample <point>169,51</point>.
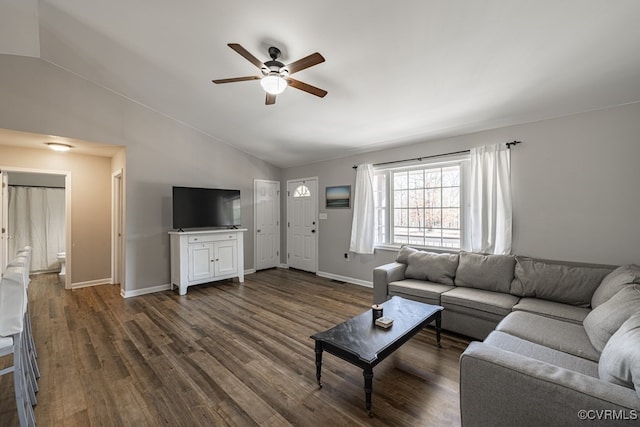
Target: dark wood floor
<point>224,354</point>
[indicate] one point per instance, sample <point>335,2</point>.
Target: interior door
<point>267,215</point>
<point>4,222</point>
<point>117,217</point>
<point>302,219</point>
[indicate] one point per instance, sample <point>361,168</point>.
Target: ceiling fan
<point>275,75</point>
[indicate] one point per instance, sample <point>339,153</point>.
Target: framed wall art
<point>338,196</point>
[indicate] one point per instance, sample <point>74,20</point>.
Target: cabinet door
<point>201,265</point>
<point>226,254</point>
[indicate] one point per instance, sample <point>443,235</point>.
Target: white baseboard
<point>345,279</point>
<point>159,288</point>
<point>78,285</point>
<point>144,291</point>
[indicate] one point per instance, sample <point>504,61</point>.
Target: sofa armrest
<point>384,275</point>
<point>502,388</point>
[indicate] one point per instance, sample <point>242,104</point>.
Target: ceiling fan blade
<point>270,100</point>
<point>306,87</point>
<point>245,54</point>
<point>306,62</point>
<point>236,79</point>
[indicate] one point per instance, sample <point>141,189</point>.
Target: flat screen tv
<point>205,208</point>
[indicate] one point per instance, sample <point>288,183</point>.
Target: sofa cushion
<point>620,359</point>
<point>430,266</point>
<point>604,320</point>
<point>569,284</point>
<point>557,334</point>
<point>476,301</point>
<point>614,281</point>
<point>539,352</point>
<point>427,291</point>
<point>555,310</point>
<point>488,272</point>
<point>403,254</point>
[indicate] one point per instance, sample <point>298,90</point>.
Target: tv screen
<point>205,208</point>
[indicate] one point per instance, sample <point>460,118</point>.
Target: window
<point>302,191</point>
<point>420,205</point>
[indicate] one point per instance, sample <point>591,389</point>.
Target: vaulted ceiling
<point>395,73</point>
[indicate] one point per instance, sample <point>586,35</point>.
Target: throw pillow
<point>437,268</point>
<point>403,254</point>
<point>556,281</point>
<point>620,359</point>
<point>488,272</point>
<point>603,321</point>
<point>614,281</point>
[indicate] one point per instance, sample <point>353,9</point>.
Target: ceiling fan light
<point>274,84</point>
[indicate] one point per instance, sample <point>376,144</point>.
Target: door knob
<point>258,230</point>
<point>313,231</point>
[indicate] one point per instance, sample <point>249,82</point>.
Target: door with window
<point>302,220</point>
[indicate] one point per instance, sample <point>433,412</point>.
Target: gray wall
<point>574,178</point>
<point>160,152</point>
<point>575,190</point>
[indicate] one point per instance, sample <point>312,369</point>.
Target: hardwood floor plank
<point>224,354</point>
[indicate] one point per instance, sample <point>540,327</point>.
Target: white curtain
<point>362,227</point>
<point>490,199</point>
<point>37,219</point>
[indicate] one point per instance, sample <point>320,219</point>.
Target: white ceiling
<point>396,73</point>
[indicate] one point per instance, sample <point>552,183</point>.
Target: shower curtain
<point>37,219</point>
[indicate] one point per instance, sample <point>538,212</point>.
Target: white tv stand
<point>205,256</point>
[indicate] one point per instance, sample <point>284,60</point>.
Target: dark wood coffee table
<point>360,342</point>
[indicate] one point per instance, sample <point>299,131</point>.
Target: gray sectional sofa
<point>561,341</point>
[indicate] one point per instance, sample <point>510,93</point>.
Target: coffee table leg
<point>368,386</point>
<point>438,327</point>
<point>318,362</point>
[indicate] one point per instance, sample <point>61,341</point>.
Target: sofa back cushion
<point>620,359</point>
<point>488,272</point>
<point>556,281</point>
<point>603,321</point>
<point>430,266</point>
<point>614,281</point>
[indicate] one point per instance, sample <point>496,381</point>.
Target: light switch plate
<point>322,215</point>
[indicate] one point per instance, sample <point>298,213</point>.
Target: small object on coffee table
<point>360,342</point>
<point>384,322</point>
<point>376,310</point>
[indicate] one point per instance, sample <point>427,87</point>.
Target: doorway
<point>266,202</point>
<point>36,211</point>
<point>302,220</point>
<point>117,230</point>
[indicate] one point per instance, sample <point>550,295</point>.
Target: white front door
<point>267,215</point>
<point>302,219</point>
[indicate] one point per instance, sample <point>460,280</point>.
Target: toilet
<point>62,258</point>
